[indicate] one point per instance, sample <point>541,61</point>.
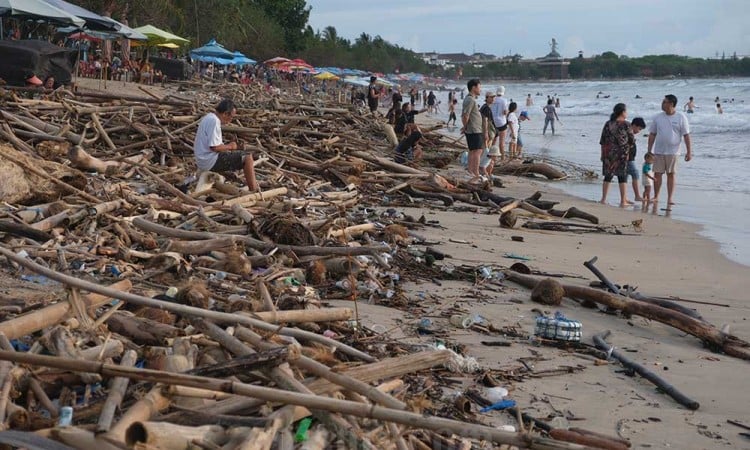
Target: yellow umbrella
<point>326,76</point>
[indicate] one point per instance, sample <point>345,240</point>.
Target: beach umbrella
<point>239,58</point>
<point>94,21</point>
<point>356,81</point>
<point>81,36</point>
<point>37,10</point>
<point>276,60</point>
<point>326,76</point>
<point>211,50</point>
<point>158,36</point>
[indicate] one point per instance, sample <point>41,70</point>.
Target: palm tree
<point>330,34</point>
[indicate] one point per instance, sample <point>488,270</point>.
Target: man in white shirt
<point>500,116</point>
<point>666,131</point>
<point>211,154</point>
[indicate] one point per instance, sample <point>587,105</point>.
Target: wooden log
<point>310,401</point>
<point>667,388</point>
<point>109,349</point>
<point>146,225</point>
<point>216,316</point>
<point>23,230</point>
<point>587,440</point>
<point>141,411</point>
<point>590,264</point>
<point>285,380</point>
<point>54,314</point>
<point>368,373</point>
<point>574,213</point>
<point>302,315</point>
<point>708,333</point>
<point>324,372</point>
<point>167,436</point>
<point>80,159</point>
<point>519,168</point>
<point>141,330</point>
<point>117,387</point>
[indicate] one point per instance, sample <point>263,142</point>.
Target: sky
<point>630,27</point>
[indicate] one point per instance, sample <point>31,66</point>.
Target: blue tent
<point>241,59</point>
<point>211,50</point>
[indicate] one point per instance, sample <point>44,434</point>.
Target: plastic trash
<point>499,406</point>
<point>559,328</point>
<point>496,394</point>
<point>172,292</point>
<point>424,322</point>
<point>66,417</point>
<point>301,434</point>
<point>461,321</point>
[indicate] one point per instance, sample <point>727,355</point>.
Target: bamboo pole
<point>50,315</point>
<point>286,381</point>
<point>309,401</point>
<point>146,225</point>
<point>177,308</point>
<point>117,387</point>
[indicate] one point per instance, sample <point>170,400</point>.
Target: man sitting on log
<point>211,154</point>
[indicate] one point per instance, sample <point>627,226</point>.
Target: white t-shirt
<point>669,131</point>
<point>207,136</point>
<point>499,107</point>
<point>513,123</point>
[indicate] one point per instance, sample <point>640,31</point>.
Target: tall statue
<point>553,45</point>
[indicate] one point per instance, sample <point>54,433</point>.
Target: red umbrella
<point>276,60</point>
<point>81,36</point>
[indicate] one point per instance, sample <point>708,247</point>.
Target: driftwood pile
<point>181,311</point>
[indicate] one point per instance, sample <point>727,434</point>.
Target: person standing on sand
<point>500,116</point>
<point>472,127</point>
<point>373,94</point>
<point>212,155</point>
<point>616,141</point>
<point>550,114</point>
<point>513,126</point>
<point>648,178</point>
<point>452,111</point>
<point>489,130</point>
<point>636,126</point>
<point>521,118</point>
<point>666,131</point>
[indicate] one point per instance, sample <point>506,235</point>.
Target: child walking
<point>648,178</point>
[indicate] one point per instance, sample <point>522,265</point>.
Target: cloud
<point>634,28</point>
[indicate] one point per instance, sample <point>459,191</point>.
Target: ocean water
<point>713,189</point>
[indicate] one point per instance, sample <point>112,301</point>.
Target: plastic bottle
<point>461,321</point>
<point>66,417</point>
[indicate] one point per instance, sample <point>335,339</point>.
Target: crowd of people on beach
<point>487,130</point>
<point>667,131</point>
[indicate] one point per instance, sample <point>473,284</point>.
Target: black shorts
<point>229,162</point>
<point>502,128</point>
<point>373,104</point>
<point>474,141</point>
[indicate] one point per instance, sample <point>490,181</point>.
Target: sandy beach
<point>664,258</point>
<point>567,387</point>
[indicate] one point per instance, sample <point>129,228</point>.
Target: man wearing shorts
<point>500,116</point>
<point>666,131</point>
<point>212,155</point>
<point>472,121</point>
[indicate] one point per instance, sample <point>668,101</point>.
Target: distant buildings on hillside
<point>555,66</point>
